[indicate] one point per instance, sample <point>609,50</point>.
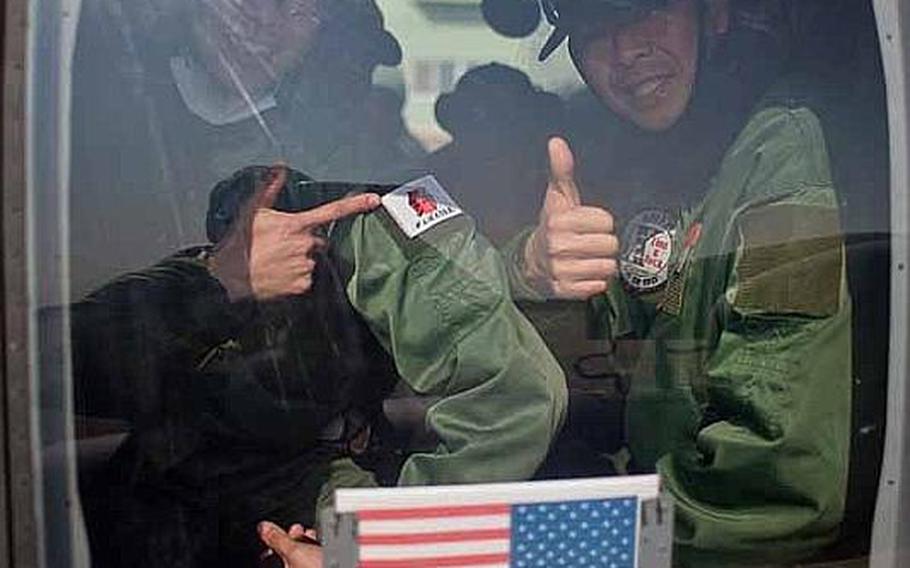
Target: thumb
<point>562,170</point>
<point>267,194</point>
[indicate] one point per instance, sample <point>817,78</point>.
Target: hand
<point>268,254</point>
<point>287,545</point>
<point>572,252</point>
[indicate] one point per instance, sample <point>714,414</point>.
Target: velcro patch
<point>420,205</point>
<point>791,262</point>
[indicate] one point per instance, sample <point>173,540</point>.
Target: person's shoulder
<point>782,149</point>
<point>787,114</point>
<point>183,270</point>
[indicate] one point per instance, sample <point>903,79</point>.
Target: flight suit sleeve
<point>513,258</point>
<point>769,462</point>
<point>440,305</point>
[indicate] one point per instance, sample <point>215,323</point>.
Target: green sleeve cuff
<point>513,257</point>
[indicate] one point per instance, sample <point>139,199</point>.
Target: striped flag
<point>572,523</point>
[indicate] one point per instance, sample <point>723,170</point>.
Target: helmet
<point>228,196</point>
<point>360,25</point>
<point>300,193</point>
<point>564,14</point>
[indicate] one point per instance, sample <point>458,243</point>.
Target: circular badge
<point>647,247</point>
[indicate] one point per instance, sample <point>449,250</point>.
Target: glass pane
<point>311,244</point>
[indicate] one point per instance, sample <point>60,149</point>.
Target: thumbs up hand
<point>572,252</point>
<point>269,254</point>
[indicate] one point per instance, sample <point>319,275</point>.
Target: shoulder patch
<point>420,205</point>
<point>791,261</point>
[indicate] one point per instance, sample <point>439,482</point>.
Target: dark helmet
<point>300,193</point>
<point>494,94</point>
<point>359,25</point>
<point>229,195</point>
<point>564,15</point>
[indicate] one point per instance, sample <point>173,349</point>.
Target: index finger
<point>340,209</point>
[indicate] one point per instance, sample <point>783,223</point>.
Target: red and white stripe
<point>475,536</point>
<point>460,525</point>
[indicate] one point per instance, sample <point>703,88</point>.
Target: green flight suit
<point>741,364</point>
<point>216,446</point>
<point>440,304</point>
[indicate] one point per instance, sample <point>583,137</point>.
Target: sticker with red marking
<point>419,205</point>
<point>648,243</point>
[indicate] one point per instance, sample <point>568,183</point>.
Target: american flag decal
<point>471,535</point>
<point>575,533</point>
<point>474,528</point>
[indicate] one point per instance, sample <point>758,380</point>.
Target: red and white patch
<point>420,205</point>
<point>657,252</point>
<point>647,251</point>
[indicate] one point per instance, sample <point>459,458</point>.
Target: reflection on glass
<point>689,249</point>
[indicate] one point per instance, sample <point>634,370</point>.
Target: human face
<point>252,44</point>
<point>643,69</point>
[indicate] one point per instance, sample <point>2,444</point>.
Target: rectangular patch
<point>792,260</point>
<point>419,205</point>
<point>671,302</point>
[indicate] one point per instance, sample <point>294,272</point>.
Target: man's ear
<point>717,17</point>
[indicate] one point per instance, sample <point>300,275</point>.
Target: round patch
<point>647,248</point>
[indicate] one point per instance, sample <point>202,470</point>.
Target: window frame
<point>19,545</point>
<point>892,515</point>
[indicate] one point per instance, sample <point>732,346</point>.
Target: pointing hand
<point>269,254</point>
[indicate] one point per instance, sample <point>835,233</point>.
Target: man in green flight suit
<point>732,315</point>
<point>252,369</point>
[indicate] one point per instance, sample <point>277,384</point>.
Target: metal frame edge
<point>892,514</point>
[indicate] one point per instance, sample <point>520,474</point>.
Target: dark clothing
<point>232,410</point>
